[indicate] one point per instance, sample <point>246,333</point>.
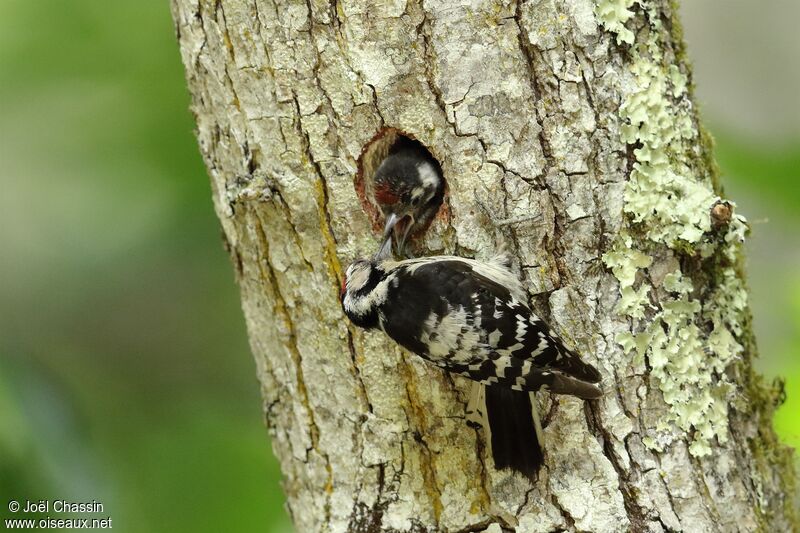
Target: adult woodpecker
<point>471,318</point>
<point>408,188</point>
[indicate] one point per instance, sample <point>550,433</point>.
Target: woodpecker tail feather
<point>514,432</point>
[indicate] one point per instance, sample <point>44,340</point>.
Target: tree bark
<point>567,132</point>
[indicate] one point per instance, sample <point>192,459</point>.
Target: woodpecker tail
<point>514,431</point>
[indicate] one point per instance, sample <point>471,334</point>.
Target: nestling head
<point>409,190</point>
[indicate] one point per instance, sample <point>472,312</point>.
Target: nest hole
<point>382,144</point>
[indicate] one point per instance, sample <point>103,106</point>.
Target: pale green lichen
<point>668,204</point>
<point>613,14</point>
<point>687,363</point>
<point>624,262</point>
<point>662,192</point>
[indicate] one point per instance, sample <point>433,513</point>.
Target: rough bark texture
<point>577,111</point>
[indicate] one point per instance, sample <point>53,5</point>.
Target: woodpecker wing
<point>470,318</point>
<point>496,270</point>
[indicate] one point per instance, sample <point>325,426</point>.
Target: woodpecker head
<point>362,290</point>
<point>408,188</point>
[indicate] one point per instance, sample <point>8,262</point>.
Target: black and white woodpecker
<point>408,188</point>
<point>471,318</point>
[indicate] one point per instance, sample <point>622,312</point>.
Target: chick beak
<point>400,227</point>
<point>404,229</point>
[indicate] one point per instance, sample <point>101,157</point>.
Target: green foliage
<point>767,178</point>
<point>787,419</point>
<point>771,172</point>
<point>125,373</point>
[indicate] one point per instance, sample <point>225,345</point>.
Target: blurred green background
<point>125,374</point>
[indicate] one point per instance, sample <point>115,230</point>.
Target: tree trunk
<point>567,132</point>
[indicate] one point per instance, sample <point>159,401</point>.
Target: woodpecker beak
<point>385,251</point>
<point>391,222</point>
